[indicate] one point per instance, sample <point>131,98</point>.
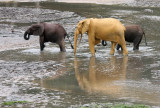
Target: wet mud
<point>55,79</point>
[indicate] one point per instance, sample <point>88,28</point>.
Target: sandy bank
<point>96,1</point>
<point>78,1</point>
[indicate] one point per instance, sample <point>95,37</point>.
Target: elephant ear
<point>85,26</point>
<point>38,29</point>
<point>82,27</point>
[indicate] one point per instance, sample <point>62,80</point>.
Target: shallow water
<point>55,79</point>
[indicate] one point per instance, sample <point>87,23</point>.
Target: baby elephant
<point>133,33</point>
<point>47,33</point>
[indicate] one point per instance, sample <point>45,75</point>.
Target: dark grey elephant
<point>133,34</point>
<point>54,33</point>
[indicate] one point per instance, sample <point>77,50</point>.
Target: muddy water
<point>54,79</point>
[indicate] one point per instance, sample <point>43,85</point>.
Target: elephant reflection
<point>102,77</point>
<point>111,78</point>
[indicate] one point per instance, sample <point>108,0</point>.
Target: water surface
<point>55,79</point>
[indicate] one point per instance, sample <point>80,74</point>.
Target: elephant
<point>134,34</point>
<point>108,29</point>
<point>54,33</point>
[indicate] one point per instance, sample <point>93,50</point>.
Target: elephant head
<point>82,27</point>
<point>35,29</point>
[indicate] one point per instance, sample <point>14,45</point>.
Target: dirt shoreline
<point>96,1</point>
<point>79,1</point>
<point>141,3</point>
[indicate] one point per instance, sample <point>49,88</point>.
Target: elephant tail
<point>145,38</point>
<point>70,41</point>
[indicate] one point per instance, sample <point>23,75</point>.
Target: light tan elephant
<point>108,29</point>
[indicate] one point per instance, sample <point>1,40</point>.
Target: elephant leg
<point>62,46</point>
<point>42,46</point>
<point>134,46</point>
<point>92,49</point>
<point>136,43</point>
<point>122,43</point>
<point>113,48</point>
<point>125,51</point>
<point>91,46</point>
<point>97,41</point>
<point>139,42</point>
<point>41,41</point>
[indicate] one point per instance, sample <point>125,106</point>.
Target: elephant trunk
<point>75,41</point>
<point>26,36</point>
<point>104,43</point>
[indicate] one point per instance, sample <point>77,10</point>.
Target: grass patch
<point>9,103</point>
<point>94,105</point>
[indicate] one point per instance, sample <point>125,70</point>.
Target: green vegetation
<point>9,103</point>
<point>94,105</point>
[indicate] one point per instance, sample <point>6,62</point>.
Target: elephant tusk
<point>80,40</point>
<point>28,36</point>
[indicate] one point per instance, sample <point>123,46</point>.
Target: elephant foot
<point>93,54</point>
<point>135,49</point>
<point>63,50</point>
<point>125,53</point>
<point>111,52</point>
<point>42,47</point>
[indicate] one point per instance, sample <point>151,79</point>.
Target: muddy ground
<point>16,75</point>
<point>53,79</point>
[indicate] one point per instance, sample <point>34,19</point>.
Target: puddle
<point>106,79</point>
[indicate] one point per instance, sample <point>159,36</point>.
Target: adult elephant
<point>108,29</point>
<point>54,33</point>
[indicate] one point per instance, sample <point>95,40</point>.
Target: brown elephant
<point>108,29</point>
<point>133,34</point>
<point>54,33</point>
